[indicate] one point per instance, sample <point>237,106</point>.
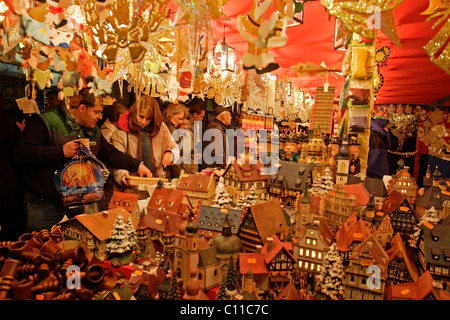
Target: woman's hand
<point>167,159</point>
<point>124,180</point>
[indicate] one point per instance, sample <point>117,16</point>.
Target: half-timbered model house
<point>402,215</point>
<point>239,179</point>
<point>434,196</point>
<point>434,251</point>
<point>288,184</point>
<point>350,235</point>
<point>94,230</point>
<point>262,220</point>
<point>200,189</point>
<point>424,288</point>
<point>401,267</point>
<point>373,186</point>
<point>365,276</point>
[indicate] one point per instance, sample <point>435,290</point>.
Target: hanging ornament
<point>364,17</point>
<point>438,48</point>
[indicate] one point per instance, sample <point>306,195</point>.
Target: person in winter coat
<point>47,143</point>
<point>379,143</point>
<point>142,134</point>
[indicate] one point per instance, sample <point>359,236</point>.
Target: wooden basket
<point>136,181</point>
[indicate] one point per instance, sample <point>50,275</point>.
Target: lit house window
<point>301,252</point>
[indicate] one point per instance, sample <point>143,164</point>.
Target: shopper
<point>12,216</point>
<point>48,142</point>
<point>110,124</point>
<point>215,154</point>
<point>142,134</point>
<point>379,143</point>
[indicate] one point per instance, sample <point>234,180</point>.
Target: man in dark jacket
<point>214,152</point>
<point>379,143</point>
<point>48,142</point>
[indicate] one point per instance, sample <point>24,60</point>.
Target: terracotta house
<point>200,189</point>
<point>402,215</point>
<point>373,186</point>
<point>434,251</point>
<point>254,262</point>
<point>310,249</point>
<point>262,220</point>
<point>171,201</point>
<point>128,201</point>
<point>239,178</point>
<point>288,184</point>
<point>365,276</point>
<point>350,235</point>
<point>421,289</point>
<point>94,230</point>
<point>401,267</point>
<point>144,283</point>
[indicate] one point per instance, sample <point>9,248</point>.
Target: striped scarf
<point>145,151</point>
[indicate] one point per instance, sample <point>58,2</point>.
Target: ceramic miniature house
<point>434,196</point>
<point>310,249</point>
<point>94,230</point>
<point>128,201</point>
<point>289,182</point>
<point>434,251</point>
<point>402,216</point>
<point>239,178</point>
<point>365,276</point>
<point>401,266</point>
<point>210,220</point>
<point>261,221</point>
<point>170,200</point>
<point>199,187</point>
<point>404,183</point>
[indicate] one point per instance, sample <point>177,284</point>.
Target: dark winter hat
<point>218,110</point>
<point>353,140</point>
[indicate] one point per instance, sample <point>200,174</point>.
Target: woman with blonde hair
<point>143,134</point>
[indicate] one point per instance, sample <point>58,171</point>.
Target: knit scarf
<point>145,151</point>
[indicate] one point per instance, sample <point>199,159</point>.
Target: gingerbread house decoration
<point>365,276</point>
<point>239,178</point>
<point>310,249</point>
<point>288,184</point>
<point>405,184</point>
<point>434,196</point>
<point>434,250</point>
<point>210,220</point>
<point>262,220</point>
<point>199,187</point>
<point>401,267</point>
<point>352,233</point>
<point>128,201</point>
<point>94,230</point>
<point>402,216</point>
<point>424,288</point>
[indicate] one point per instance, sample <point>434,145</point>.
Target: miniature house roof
<point>437,242</point>
<point>353,229</point>
<point>169,200</point>
<point>277,247</point>
<point>248,172</point>
<point>291,175</point>
<point>211,218</point>
<point>207,257</point>
<point>433,197</point>
<point>379,256</point>
<point>398,249</point>
<point>289,292</point>
<point>417,290</point>
<point>253,262</point>
<point>196,182</point>
<point>101,224</point>
<point>269,218</point>
<point>160,221</point>
<point>394,200</point>
<point>124,199</point>
<point>358,190</point>
<point>373,186</point>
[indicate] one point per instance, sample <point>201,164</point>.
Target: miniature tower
<point>436,177</point>
<point>370,209</point>
<point>305,211</point>
<point>343,162</point>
